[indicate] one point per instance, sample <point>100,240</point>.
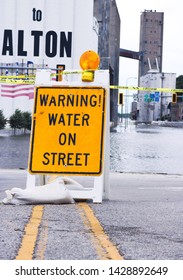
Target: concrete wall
<point>108,17</point>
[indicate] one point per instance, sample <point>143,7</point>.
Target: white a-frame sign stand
<point>70,133</point>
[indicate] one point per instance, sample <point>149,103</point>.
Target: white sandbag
<point>71,184</point>
<point>52,193</point>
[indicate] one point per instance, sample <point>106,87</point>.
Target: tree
<point>27,121</point>
<point>3,120</point>
<point>179,85</point>
<point>16,120</point>
<point>179,82</point>
<point>20,120</point>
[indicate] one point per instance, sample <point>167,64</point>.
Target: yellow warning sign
<point>68,130</point>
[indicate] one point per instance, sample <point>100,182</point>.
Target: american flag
<point>17,90</point>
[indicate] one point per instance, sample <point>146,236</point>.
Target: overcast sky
<point>130,11</point>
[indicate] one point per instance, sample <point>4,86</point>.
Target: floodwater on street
<point>142,149</point>
<point>13,150</point>
<point>147,149</point>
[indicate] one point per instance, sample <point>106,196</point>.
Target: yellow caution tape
<point>23,79</point>
<point>17,77</point>
<point>17,81</point>
<point>69,72</point>
<point>147,89</point>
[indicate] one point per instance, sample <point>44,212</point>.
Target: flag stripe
<point>19,90</point>
<point>16,95</point>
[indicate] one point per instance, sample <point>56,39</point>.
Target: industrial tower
<point>151,41</point>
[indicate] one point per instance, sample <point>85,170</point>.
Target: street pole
<point>127,100</point>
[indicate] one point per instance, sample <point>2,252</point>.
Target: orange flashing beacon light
<point>89,60</point>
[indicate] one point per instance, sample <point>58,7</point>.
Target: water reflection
<point>147,149</point>
<point>14,151</point>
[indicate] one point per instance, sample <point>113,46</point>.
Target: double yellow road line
<point>105,249</point>
<point>30,234</point>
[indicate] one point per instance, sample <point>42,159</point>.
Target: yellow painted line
<point>106,250</point>
<point>31,231</point>
<point>41,245</point>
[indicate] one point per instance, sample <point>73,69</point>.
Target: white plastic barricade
<point>70,134</point>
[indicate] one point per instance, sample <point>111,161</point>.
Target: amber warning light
<point>89,60</point>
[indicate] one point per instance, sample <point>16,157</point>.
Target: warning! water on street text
<point>68,130</point>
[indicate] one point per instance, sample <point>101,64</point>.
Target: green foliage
<point>179,82</point>
<point>3,120</point>
<point>20,120</point>
<point>16,120</point>
<point>27,120</point>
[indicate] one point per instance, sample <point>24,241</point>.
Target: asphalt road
<point>143,219</point>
